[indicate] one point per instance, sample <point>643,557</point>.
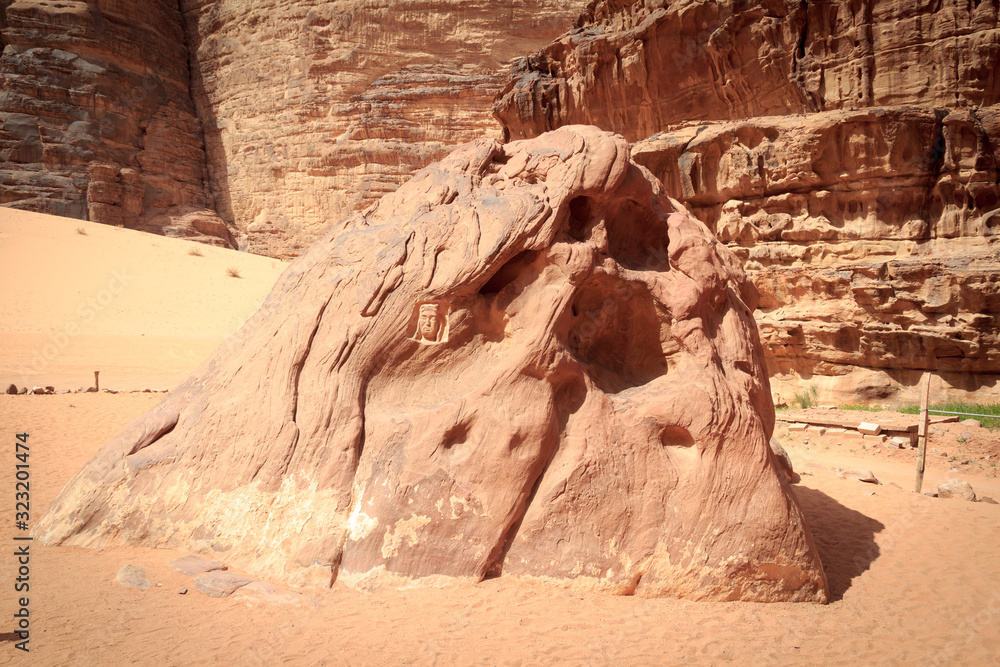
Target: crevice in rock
<point>495,563</point>
<point>798,74</point>
<point>937,157</point>
<point>301,361</point>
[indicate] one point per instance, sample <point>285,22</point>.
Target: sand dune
<point>140,308</point>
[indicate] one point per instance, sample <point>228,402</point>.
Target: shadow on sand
<point>844,538</point>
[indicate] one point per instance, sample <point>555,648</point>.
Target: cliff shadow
<point>845,538</point>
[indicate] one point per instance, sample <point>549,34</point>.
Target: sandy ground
<point>914,579</point>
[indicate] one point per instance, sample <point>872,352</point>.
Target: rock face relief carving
<point>432,322</point>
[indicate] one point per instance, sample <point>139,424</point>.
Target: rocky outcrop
<point>639,67</point>
<point>527,362</point>
<point>96,118</point>
<point>872,236</point>
<point>313,110</point>
<point>847,153</point>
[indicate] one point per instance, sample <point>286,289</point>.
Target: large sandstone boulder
<point>527,362</point>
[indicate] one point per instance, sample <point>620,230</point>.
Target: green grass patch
<point>954,406</point>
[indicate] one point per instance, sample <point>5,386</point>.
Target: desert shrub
<point>807,398</point>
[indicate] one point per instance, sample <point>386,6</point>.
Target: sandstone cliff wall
<point>314,109</point>
<point>847,152</point>
<point>96,119</point>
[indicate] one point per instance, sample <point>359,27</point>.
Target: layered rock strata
<point>847,153</point>
<point>526,362</point>
<point>96,118</point>
<point>312,110</point>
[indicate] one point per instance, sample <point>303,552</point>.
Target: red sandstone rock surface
<point>314,110</point>
<point>847,153</point>
<point>96,120</point>
<point>526,362</point>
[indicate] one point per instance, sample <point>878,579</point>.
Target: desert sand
<point>913,579</point>
<point>139,308</point>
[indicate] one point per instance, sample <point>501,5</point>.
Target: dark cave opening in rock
<point>616,332</point>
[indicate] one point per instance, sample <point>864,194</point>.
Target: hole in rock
<point>676,436</point>
<point>456,435</point>
<point>498,161</point>
<point>579,217</point>
<point>508,273</point>
<point>679,444</point>
<point>617,335</point>
<point>637,238</point>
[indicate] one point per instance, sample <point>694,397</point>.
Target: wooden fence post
<point>925,391</point>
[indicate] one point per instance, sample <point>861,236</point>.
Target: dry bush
<point>195,251</point>
<point>233,272</point>
<point>81,231</point>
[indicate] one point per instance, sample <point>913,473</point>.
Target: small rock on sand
<point>12,389</point>
<point>973,423</point>
<point>182,591</point>
<point>192,565</point>
<point>956,488</point>
<point>219,584</point>
<point>131,576</point>
<point>869,428</point>
<point>860,475</point>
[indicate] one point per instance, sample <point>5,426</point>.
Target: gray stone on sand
<point>973,423</point>
<point>192,565</point>
<point>219,584</point>
<point>956,488</point>
<point>131,576</point>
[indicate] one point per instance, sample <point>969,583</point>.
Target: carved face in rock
<point>597,415</point>
<point>430,327</point>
